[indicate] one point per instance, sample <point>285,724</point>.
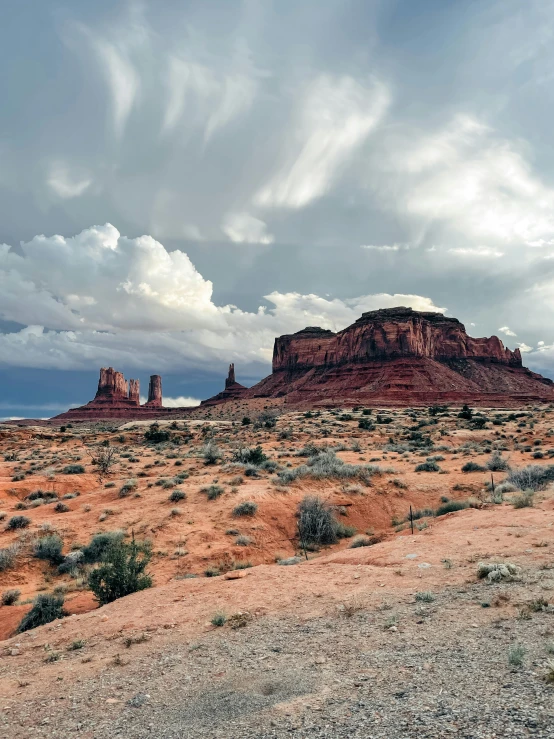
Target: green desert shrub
<point>497,463</point>
<point>18,522</point>
<point>99,545</point>
<point>326,465</point>
<point>212,492</point>
<point>121,572</point>
<point>156,435</point>
<point>316,523</point>
<point>246,508</point>
<point>46,608</point>
<point>7,557</point>
<point>49,548</point>
<point>450,507</point>
<point>9,597</point>
<point>254,456</point>
<point>472,467</point>
<point>73,469</point>
<point>427,467</point>
<point>177,495</point>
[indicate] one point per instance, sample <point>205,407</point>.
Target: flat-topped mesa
<point>389,333</point>
<point>154,392</point>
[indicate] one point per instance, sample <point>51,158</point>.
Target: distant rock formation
<point>155,392</point>
<point>115,399</point>
<point>233,390</point>
<point>134,391</point>
<point>398,356</point>
<point>394,357</point>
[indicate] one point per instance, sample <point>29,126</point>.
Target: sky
<point>181,182</point>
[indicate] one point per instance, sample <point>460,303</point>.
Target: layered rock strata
<point>398,356</point>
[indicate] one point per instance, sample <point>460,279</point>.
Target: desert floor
<point>395,636</point>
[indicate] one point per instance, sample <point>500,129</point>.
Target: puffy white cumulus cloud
<point>507,331</point>
<point>100,298</point>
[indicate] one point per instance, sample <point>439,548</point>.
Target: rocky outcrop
<point>134,391</point>
<point>155,392</point>
<point>398,356</point>
<point>233,390</point>
<point>388,334</point>
<point>115,399</point>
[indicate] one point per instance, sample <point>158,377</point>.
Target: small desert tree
<point>122,571</point>
<point>103,458</point>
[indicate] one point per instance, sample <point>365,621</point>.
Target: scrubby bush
<point>497,463</point>
<point>61,507</point>
<point>46,608</point>
<point>7,557</point>
<point>18,522</point>
<point>246,421</point>
<point>243,541</point>
<point>127,488</point>
<point>211,453</point>
<point>73,469</point>
<point>246,508</point>
<point>325,465</point>
<point>472,467</point>
<point>316,523</point>
<point>177,495</point>
<point>427,467</point>
<point>254,456</point>
<point>366,424</point>
<point>72,562</point>
<point>122,571</point>
<point>100,544</point>
<point>156,435</point>
<point>466,413</point>
<point>525,500</point>
<point>533,477</point>
<point>9,597</point>
<point>212,491</point>
<point>344,532</point>
<point>450,507</point>
<point>360,541</point>
<point>49,548</point>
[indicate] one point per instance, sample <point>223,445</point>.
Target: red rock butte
<point>388,357</point>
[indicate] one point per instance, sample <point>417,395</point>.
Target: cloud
<point>100,298</point>
<point>524,347</point>
<point>244,228</point>
<point>65,184</point>
<point>181,402</point>
<point>469,178</point>
<point>507,331</point>
<point>479,251</point>
<point>385,247</point>
<point>122,79</point>
<point>336,115</point>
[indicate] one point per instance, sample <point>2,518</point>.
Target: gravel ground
<point>404,669</point>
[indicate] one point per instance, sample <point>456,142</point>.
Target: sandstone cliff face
<point>134,391</point>
<point>155,392</point>
<point>388,334</point>
<point>233,390</point>
<point>398,356</point>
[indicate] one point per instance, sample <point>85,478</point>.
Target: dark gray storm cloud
<point>288,163</point>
